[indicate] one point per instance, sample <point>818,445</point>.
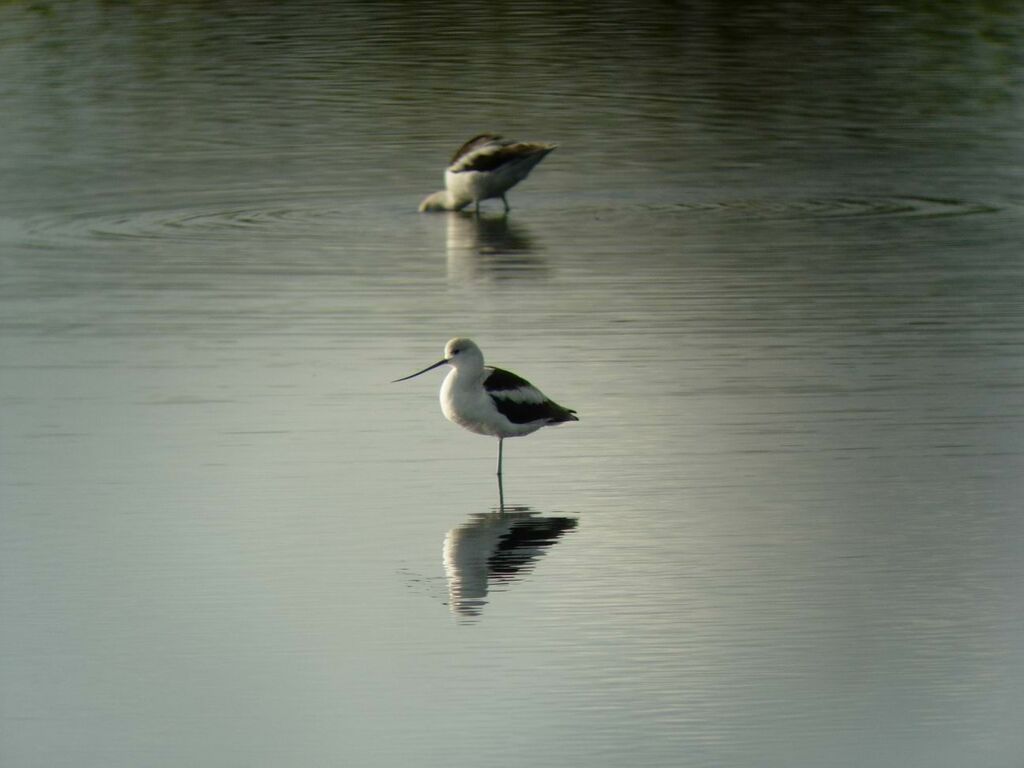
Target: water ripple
<point>275,220</point>
<point>289,220</point>
<point>838,207</point>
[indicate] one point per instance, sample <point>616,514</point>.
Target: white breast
<point>468,406</point>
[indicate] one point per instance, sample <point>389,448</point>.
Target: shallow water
<point>784,293</point>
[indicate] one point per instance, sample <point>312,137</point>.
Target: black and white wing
<point>474,145</point>
<point>520,402</point>
<point>489,152</point>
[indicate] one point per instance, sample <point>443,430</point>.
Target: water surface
<point>774,264</point>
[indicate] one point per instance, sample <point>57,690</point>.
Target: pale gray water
<point>775,264</point>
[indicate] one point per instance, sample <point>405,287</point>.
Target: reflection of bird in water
<point>486,166</point>
<point>491,246</point>
<point>490,401</point>
<point>494,549</point>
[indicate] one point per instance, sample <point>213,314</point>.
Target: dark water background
<point>775,264</point>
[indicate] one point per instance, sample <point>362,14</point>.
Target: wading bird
<point>491,401</point>
<point>486,166</point>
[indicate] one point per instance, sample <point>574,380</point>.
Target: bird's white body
<point>491,401</point>
<point>467,402</point>
<point>485,167</point>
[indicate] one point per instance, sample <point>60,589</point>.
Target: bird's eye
<point>456,351</point>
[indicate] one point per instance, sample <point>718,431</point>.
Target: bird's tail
<point>567,414</point>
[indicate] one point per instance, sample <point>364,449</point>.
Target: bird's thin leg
<point>501,489</point>
<point>476,208</point>
<point>507,208</point>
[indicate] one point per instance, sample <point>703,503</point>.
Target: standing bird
<point>490,401</point>
<point>486,166</point>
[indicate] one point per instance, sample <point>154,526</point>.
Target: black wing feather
<point>475,143</point>
<point>500,380</point>
<point>488,161</point>
<point>507,155</point>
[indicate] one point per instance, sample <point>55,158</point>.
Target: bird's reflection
<point>495,549</point>
<point>490,246</point>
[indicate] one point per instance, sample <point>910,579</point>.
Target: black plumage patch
<point>524,413</point>
<point>473,144</point>
<point>488,161</point>
<point>500,380</point>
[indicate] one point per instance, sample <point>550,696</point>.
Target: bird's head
<point>458,353</point>
<point>439,201</point>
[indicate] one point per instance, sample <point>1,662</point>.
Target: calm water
<point>775,264</point>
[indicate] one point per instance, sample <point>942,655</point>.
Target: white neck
<point>442,201</point>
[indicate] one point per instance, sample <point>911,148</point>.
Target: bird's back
<point>476,143</point>
<point>488,154</point>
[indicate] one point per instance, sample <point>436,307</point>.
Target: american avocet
<point>490,401</point>
<point>486,166</point>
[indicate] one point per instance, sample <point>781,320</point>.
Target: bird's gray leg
<point>501,441</point>
<point>477,208</point>
<point>507,208</point>
<point>501,496</point>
